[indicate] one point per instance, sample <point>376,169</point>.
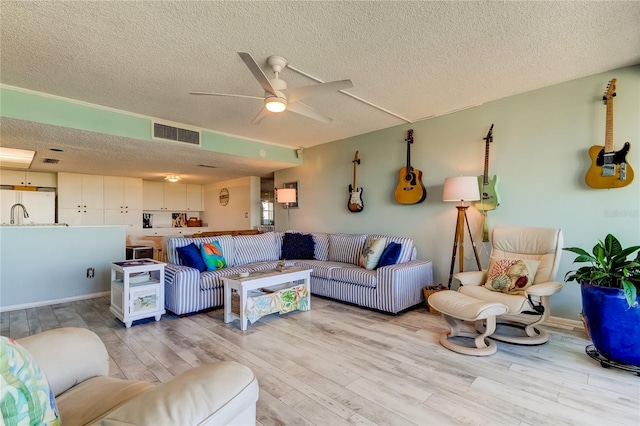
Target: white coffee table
<point>256,280</point>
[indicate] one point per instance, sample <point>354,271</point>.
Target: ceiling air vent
<point>50,160</point>
<point>166,132</point>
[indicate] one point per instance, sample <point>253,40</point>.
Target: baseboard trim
<point>565,321</point>
<point>53,301</point>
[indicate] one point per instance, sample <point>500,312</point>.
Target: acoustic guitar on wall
<point>410,189</point>
<point>355,204</point>
<point>609,168</point>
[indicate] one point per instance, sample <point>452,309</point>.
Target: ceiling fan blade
<point>298,93</point>
<point>260,116</point>
<point>227,94</point>
<point>307,111</point>
<point>257,72</point>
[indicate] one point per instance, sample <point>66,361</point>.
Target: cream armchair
<point>529,310</point>
<point>76,364</point>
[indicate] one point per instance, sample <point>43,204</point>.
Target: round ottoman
<point>457,307</point>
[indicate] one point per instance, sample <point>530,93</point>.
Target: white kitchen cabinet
<point>122,193</point>
<point>40,205</point>
<point>175,197</point>
<point>24,178</point>
<point>80,199</point>
<point>170,196</point>
<point>123,201</point>
<point>194,198</point>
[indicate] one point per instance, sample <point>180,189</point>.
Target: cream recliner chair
<point>528,310</point>
<point>76,364</point>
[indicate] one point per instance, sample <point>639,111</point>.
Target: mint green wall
<point>39,264</point>
<point>539,152</point>
<point>41,108</point>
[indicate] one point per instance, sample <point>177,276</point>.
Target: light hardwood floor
<point>339,365</point>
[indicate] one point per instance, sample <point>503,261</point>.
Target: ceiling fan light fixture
<point>275,104</point>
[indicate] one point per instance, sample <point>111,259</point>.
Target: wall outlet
<point>91,272</point>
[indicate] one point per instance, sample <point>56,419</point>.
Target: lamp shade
<point>286,195</point>
<point>461,188</point>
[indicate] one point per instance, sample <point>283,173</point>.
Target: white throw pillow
<point>372,252</point>
<point>511,276</point>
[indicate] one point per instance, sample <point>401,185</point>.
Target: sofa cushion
<point>321,246</point>
<point>297,246</point>
<point>346,248</point>
<point>320,268</point>
<point>355,275</point>
<point>255,248</point>
<point>25,393</point>
<point>213,279</point>
<point>407,252</point>
<point>372,252</point>
<point>88,401</point>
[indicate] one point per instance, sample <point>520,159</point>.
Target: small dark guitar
<point>410,189</point>
<point>355,204</point>
<point>609,168</point>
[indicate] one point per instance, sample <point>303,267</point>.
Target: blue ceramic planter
<point>614,326</point>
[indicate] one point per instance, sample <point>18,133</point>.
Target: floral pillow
<point>25,394</point>
<point>511,276</point>
<point>372,252</point>
<point>212,255</point>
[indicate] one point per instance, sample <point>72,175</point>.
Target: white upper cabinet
<point>175,197</point>
<point>122,193</point>
<point>24,178</point>
<point>194,198</point>
<point>80,191</point>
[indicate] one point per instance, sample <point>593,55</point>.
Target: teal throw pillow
<point>190,256</point>
<point>212,255</point>
<point>25,395</point>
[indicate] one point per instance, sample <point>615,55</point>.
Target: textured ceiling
<point>416,59</point>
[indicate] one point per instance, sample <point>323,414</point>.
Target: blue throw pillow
<point>190,256</point>
<point>390,255</point>
<point>297,246</point>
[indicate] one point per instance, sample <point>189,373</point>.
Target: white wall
<point>243,209</point>
<point>541,139</point>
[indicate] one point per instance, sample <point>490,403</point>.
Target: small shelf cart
<point>137,290</point>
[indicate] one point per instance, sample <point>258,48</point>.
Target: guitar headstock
<point>489,137</point>
<point>611,90</point>
<point>409,138</point>
<point>355,158</point>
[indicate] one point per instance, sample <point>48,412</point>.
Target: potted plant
<point>610,298</point>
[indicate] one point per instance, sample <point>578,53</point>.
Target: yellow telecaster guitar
<point>410,189</point>
<point>609,168</point>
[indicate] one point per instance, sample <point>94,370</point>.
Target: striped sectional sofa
<point>336,273</point>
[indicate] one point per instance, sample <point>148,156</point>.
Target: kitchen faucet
<point>13,208</point>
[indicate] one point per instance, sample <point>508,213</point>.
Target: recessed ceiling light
<point>16,158</point>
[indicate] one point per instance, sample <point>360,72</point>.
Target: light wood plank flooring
<point>339,365</point>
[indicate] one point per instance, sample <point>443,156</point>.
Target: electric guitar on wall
<point>410,189</point>
<point>609,168</point>
<point>489,196</point>
<point>355,204</point>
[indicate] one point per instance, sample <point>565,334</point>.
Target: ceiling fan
<point>277,97</point>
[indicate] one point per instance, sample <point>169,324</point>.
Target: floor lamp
<point>286,196</point>
<point>461,188</point>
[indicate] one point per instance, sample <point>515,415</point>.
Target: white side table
<point>137,290</point>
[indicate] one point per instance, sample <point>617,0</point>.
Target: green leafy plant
<point>610,267</point>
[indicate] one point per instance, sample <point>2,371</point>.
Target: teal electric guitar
<point>489,196</point>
